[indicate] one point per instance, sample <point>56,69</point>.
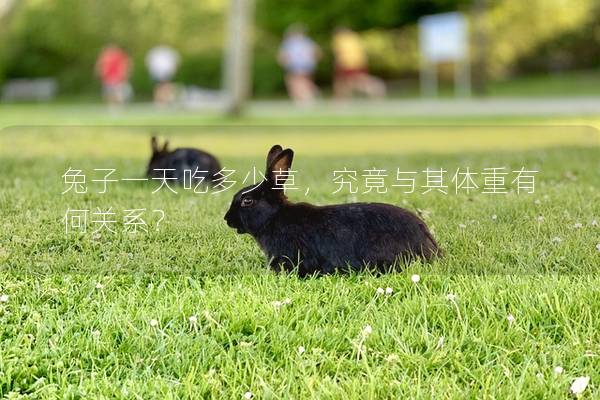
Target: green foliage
<point>577,48</point>
<point>321,18</point>
<point>202,69</point>
<point>517,28</point>
<point>62,38</point>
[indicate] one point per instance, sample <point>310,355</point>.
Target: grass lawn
<point>576,83</point>
<point>560,84</point>
<point>189,310</point>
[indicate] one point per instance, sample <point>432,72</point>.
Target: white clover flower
<point>579,384</point>
<point>367,330</point>
<point>4,298</point>
<point>415,278</point>
<point>598,247</point>
<point>556,239</point>
<point>578,225</point>
<point>389,291</point>
<point>494,217</point>
<point>193,319</point>
<point>424,213</point>
<point>558,370</point>
<point>539,375</point>
<point>248,395</point>
<point>380,290</point>
<point>462,226</point>
<point>277,304</point>
<point>451,297</point>
<point>99,286</point>
<point>153,323</point>
<point>95,333</point>
<point>594,223</point>
<point>441,342</point>
<point>540,218</point>
<point>538,202</point>
<point>510,318</point>
<point>392,358</point>
<point>301,350</point>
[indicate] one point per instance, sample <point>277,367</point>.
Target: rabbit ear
<point>278,171</point>
<point>275,150</point>
<point>154,144</point>
<point>166,146</point>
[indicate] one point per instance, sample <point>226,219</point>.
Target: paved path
<point>436,108</point>
<point>421,110</point>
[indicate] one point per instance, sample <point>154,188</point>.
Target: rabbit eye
<point>247,202</point>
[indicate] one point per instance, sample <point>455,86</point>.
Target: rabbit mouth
<point>238,229</point>
<point>233,223</point>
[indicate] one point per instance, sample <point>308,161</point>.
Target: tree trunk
<point>480,39</point>
<point>237,69</point>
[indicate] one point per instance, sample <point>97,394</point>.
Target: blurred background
<point>222,54</point>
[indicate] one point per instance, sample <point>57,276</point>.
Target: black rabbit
<point>197,164</point>
<point>319,239</point>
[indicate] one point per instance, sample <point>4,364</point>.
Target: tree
<point>321,17</point>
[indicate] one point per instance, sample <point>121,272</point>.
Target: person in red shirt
<point>113,68</point>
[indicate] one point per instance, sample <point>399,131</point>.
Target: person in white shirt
<point>162,62</point>
<point>298,55</point>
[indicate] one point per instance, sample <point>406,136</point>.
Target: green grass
<point>61,335</point>
<point>560,84</point>
<point>583,83</point>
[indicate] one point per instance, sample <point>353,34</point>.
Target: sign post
<point>444,38</point>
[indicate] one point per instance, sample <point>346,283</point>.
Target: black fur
<point>320,239</point>
<point>182,159</point>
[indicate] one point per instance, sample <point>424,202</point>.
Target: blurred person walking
<point>298,55</point>
<point>162,62</point>
<point>351,71</point>
<point>113,67</point>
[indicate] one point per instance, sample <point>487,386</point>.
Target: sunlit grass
<point>231,141</point>
<point>447,336</point>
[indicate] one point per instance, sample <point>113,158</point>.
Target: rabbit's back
<point>387,232</point>
<point>200,163</point>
